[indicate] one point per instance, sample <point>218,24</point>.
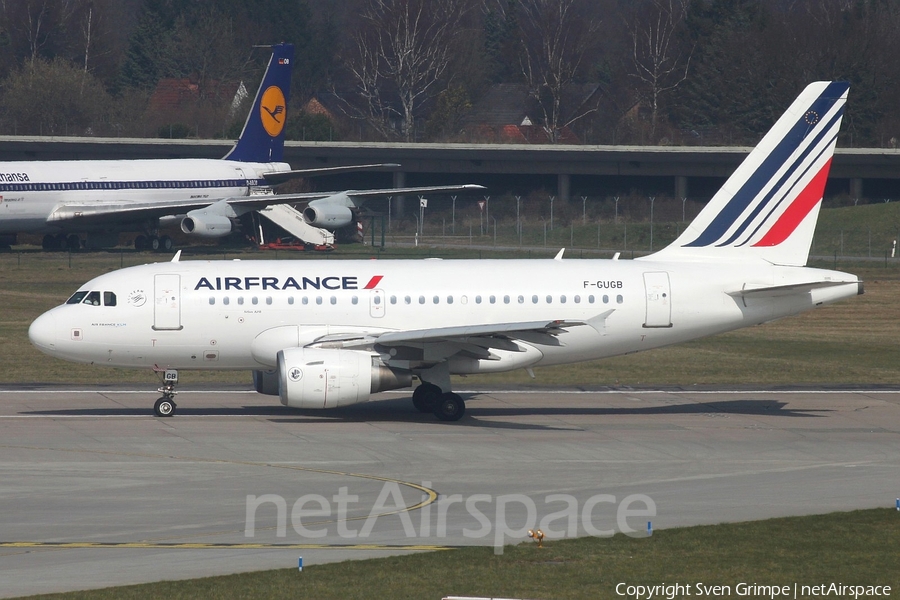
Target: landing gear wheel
<point>73,242</point>
<point>164,407</point>
<point>154,243</point>
<point>165,243</point>
<point>426,397</point>
<point>450,407</point>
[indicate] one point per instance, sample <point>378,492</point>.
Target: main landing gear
<point>446,406</point>
<point>152,242</point>
<point>165,406</point>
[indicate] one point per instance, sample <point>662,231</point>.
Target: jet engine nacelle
<point>328,378</point>
<point>329,216</point>
<point>205,224</point>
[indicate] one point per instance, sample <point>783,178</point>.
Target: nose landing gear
<point>165,406</point>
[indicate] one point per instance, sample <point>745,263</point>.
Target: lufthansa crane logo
<point>272,110</point>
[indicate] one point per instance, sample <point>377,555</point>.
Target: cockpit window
<point>93,298</point>
<point>76,298</point>
<point>109,299</point>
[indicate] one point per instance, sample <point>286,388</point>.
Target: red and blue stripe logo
<point>776,197</point>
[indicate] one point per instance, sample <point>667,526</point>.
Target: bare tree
<point>660,65</point>
<point>555,36</point>
<point>402,51</point>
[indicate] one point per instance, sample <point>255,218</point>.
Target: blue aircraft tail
<point>262,139</point>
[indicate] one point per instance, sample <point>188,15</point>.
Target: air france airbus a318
<point>323,334</point>
<point>204,197</point>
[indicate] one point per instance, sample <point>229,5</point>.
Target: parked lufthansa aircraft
<point>63,199</point>
<point>323,334</point>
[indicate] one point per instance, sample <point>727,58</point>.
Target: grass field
<point>856,548</point>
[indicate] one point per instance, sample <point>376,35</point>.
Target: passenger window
<point>549,299</point>
<point>93,298</point>
<point>319,300</point>
<point>255,300</point>
<point>109,299</point>
<point>562,299</point>
<point>477,299</point>
<point>290,299</point>
<point>241,300</point>
<point>534,299</point>
<point>76,298</point>
<point>407,300</point>
<point>212,300</point>
<point>354,300</point>
<point>493,299</point>
<point>421,299</point>
<point>225,300</point>
<point>436,300</point>
<point>619,299</point>
<point>505,299</point>
<point>591,299</point>
<point>605,299</point>
<point>304,301</point>
<point>333,300</point>
<point>393,299</point>
<point>577,299</point>
<point>449,299</point>
<point>269,300</point>
<point>376,300</point>
<point>521,299</point>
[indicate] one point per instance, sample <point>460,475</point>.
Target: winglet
<point>559,255</point>
<point>177,256</point>
<point>262,139</point>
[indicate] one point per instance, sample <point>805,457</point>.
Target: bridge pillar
<point>856,187</point>
<point>563,186</point>
<point>681,186</point>
<point>397,204</point>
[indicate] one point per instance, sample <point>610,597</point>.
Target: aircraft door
<point>659,300</point>
<point>167,302</point>
<point>376,304</point>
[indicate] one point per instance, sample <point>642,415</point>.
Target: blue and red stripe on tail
<point>768,207</point>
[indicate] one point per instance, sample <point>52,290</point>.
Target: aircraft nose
<point>42,332</point>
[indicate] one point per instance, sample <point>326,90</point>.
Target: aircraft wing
<point>279,177</point>
<point>437,344</point>
<point>112,212</point>
<point>254,202</point>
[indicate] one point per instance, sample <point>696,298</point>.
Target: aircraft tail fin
<point>262,139</point>
<point>768,208</point>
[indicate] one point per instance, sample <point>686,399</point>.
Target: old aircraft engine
<point>206,224</point>
<point>327,215</point>
<point>328,378</point>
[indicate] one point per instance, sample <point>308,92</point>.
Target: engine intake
<point>204,224</point>
<point>328,378</point>
<point>330,216</point>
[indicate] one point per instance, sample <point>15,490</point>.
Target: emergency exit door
<point>167,302</point>
<point>659,300</point>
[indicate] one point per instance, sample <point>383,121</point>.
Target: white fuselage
<point>234,314</point>
<point>34,195</point>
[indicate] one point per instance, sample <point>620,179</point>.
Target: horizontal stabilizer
<point>790,289</point>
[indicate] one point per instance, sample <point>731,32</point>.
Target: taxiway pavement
<point>97,492</point>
